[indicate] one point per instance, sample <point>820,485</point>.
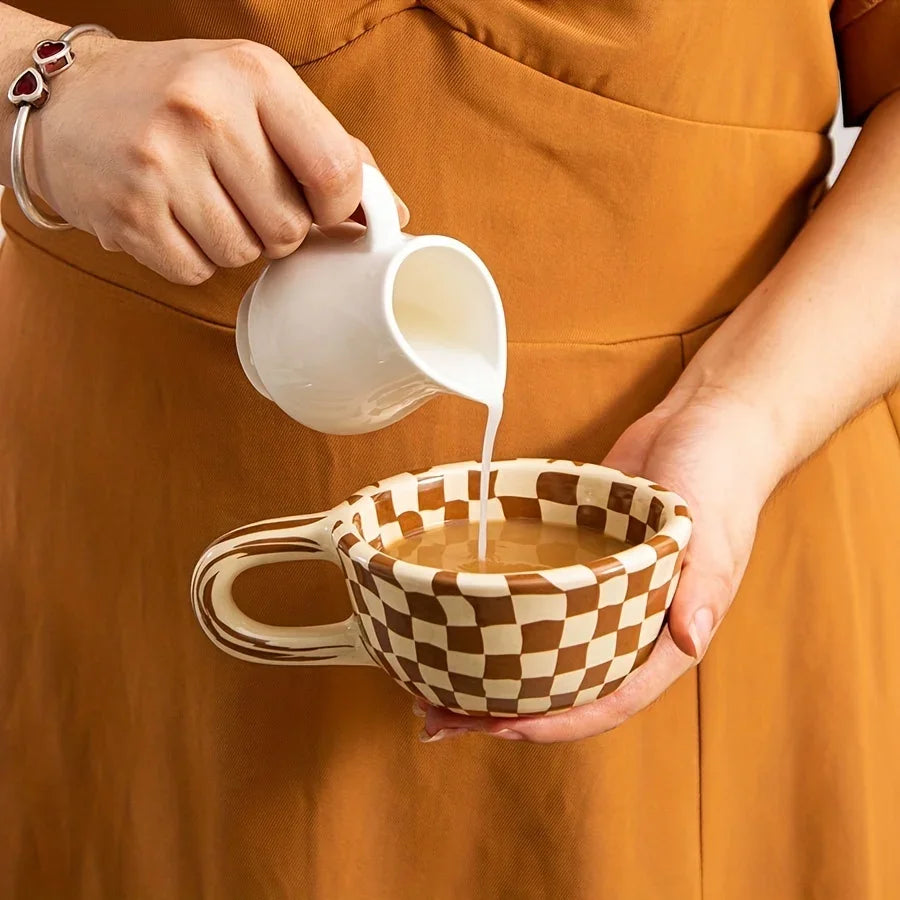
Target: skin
<point>220,155</point>
<point>815,343</point>
<point>223,155</point>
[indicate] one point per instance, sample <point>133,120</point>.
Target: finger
<point>705,591</point>
<point>265,191</point>
<point>359,214</point>
<point>209,215</point>
<point>171,252</point>
<point>365,154</point>
<point>312,143</point>
<point>317,149</point>
<point>647,683</point>
<point>629,453</point>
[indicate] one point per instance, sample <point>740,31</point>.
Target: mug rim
<point>676,525</point>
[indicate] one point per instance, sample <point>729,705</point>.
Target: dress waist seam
<point>14,236</point>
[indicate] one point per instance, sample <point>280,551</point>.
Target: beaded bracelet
<point>31,90</point>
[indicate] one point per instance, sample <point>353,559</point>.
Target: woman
<point>636,176</point>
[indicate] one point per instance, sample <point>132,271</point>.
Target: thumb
<point>629,453</point>
<point>705,591</point>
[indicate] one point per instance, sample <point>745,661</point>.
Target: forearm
<point>819,339</point>
<point>20,31</point>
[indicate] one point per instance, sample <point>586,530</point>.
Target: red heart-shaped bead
<point>25,84</point>
<point>46,49</point>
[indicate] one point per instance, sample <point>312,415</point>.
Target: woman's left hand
<point>812,345</point>
<point>717,451</point>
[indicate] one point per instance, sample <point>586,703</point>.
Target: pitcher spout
<point>445,311</point>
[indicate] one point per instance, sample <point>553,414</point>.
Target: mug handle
<point>382,220</point>
<point>271,541</point>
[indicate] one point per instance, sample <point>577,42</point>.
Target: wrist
<point>21,32</point>
<point>45,147</point>
<point>744,428</point>
<point>738,369</point>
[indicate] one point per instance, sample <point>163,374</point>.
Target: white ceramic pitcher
<point>359,327</point>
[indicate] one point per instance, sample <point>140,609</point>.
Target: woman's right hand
<point>192,154</point>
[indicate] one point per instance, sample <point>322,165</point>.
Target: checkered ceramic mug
<point>477,643</point>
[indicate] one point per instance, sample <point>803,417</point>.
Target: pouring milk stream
<point>357,329</point>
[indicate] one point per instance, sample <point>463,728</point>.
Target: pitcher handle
<point>271,541</point>
<point>382,219</point>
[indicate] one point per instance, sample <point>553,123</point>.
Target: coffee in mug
<point>513,545</point>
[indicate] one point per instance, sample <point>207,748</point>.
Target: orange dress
<point>628,171</point>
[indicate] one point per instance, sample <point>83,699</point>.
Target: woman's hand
<point>191,154</point>
<point>812,345</point>
<point>714,449</point>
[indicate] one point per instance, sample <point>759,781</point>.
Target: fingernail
<point>700,630</point>
<point>441,735</point>
<point>507,734</point>
<point>418,709</point>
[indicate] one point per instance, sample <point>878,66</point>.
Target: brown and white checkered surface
<point>496,644</point>
<point>513,644</point>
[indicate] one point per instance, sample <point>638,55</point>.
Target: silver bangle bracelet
<point>30,90</point>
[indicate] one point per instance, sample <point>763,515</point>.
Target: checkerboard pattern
<point>512,644</point>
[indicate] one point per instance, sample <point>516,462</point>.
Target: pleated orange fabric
<point>628,171</point>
